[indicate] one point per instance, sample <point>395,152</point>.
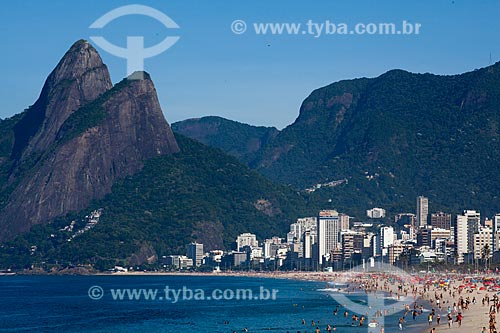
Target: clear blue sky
<point>251,78</point>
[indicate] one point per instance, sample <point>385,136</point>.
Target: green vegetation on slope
<point>89,115</point>
<point>199,193</point>
<point>237,139</point>
<point>422,134</point>
<point>395,137</point>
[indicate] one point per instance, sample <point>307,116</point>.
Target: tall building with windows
<point>422,211</point>
<point>466,225</point>
<point>347,245</point>
<point>496,241</point>
<point>496,223</point>
<point>344,222</point>
<point>473,226</point>
<point>424,236</point>
<point>352,242</point>
<point>441,220</point>
<point>385,239</point>
<point>394,252</point>
<point>308,240</point>
<point>195,252</point>
<point>482,241</point>
<point>461,233</point>
<point>298,228</point>
<point>246,239</point>
<point>438,233</point>
<point>495,232</point>
<point>271,246</point>
<point>328,234</point>
<point>294,233</point>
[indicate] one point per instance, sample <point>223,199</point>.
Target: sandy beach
<point>475,317</point>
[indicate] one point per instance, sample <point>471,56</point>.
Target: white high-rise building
<point>473,225</point>
<point>373,244</point>
<point>328,233</point>
<point>271,246</point>
<point>295,233</point>
<point>298,228</point>
<point>309,240</point>
<point>422,211</point>
<point>466,226</point>
<point>482,238</point>
<point>496,223</point>
<point>246,239</point>
<point>385,239</point>
<point>461,233</point>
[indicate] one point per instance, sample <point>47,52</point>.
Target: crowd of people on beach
<point>446,302</point>
<point>454,296</point>
<point>429,296</point>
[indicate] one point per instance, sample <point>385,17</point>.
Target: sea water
<point>76,304</point>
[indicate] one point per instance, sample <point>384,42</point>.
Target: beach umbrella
<point>482,288</point>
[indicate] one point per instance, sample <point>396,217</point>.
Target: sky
<point>260,79</point>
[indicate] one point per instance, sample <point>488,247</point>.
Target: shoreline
<point>419,287</point>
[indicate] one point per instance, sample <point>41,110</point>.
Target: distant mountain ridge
<point>395,137</point>
<point>237,139</point>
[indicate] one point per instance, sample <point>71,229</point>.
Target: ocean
<point>119,304</point>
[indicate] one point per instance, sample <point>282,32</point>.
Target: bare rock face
<point>79,78</point>
<point>83,151</point>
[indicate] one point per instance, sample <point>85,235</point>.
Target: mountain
<point>79,137</point>
<point>198,194</point>
<point>392,138</point>
<point>93,174</point>
<point>238,139</point>
<point>79,78</point>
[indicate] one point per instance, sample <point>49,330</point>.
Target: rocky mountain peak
<point>80,77</point>
<point>82,62</point>
<point>135,111</point>
<point>79,138</point>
